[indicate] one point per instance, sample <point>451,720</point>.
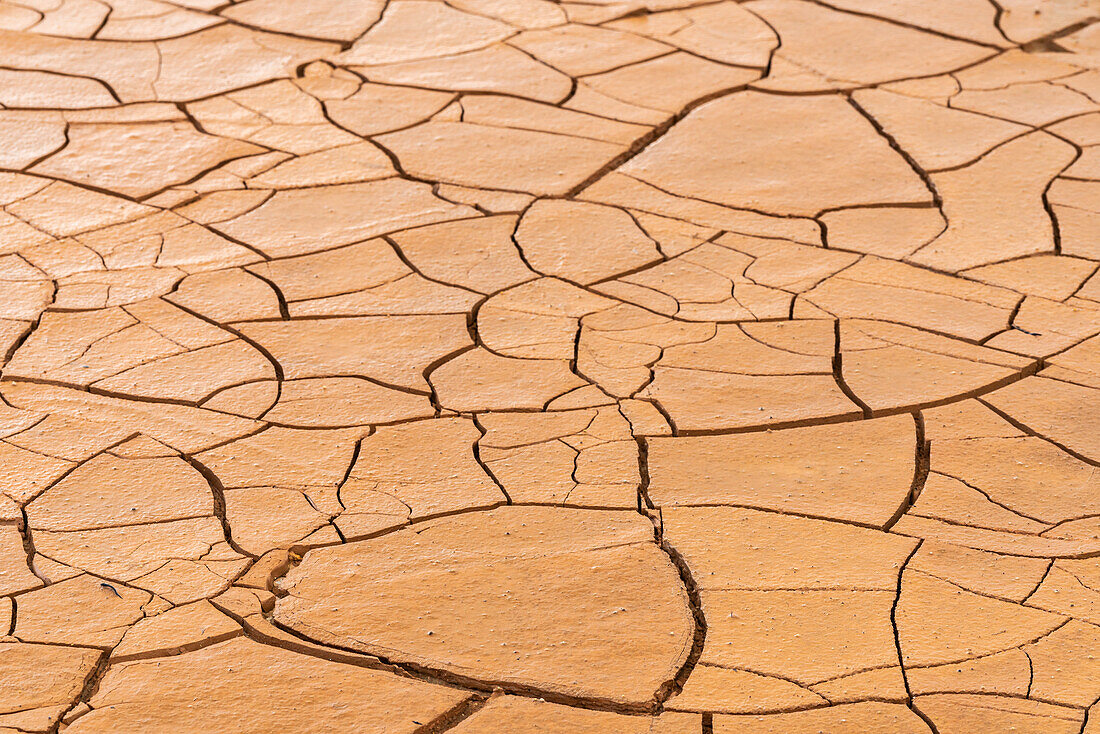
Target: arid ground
<point>523,366</point>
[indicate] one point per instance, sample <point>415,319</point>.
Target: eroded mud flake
<point>577,604</point>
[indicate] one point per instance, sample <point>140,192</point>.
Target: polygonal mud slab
<point>571,604</point>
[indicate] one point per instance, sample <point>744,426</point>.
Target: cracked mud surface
<point>478,366</point>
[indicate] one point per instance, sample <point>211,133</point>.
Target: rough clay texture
<point>616,367</point>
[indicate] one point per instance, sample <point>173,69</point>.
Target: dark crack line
<point>217,492</point>
<point>481,462</point>
<point>1021,426</point>
<point>921,466</point>
<point>838,374</point>
<point>457,680</point>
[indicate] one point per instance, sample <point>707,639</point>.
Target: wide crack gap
<point>648,509</point>
<point>217,492</point>
<point>921,466</point>
<point>838,373</point>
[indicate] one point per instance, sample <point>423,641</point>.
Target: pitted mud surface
<point>610,367</point>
